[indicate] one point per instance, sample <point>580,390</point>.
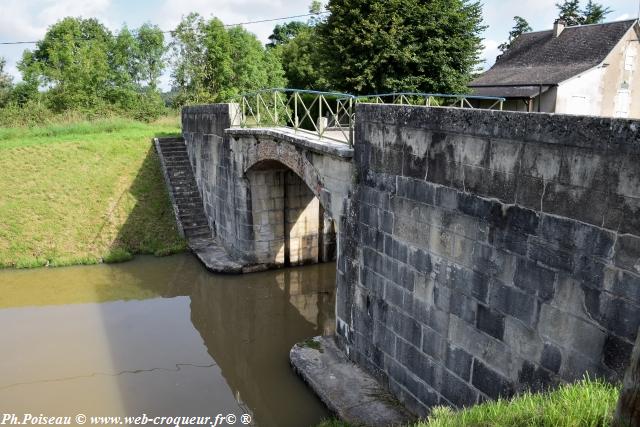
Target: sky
<point>27,20</point>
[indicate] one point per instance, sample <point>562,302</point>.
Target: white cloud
<point>230,12</point>
<point>490,52</point>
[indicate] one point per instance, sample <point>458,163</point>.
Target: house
<point>585,69</point>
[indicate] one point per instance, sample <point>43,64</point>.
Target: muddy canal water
<point>161,337</point>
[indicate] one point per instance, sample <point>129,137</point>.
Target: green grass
<point>586,403</point>
<point>83,193</point>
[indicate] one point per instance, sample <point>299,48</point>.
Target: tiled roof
<point>538,58</point>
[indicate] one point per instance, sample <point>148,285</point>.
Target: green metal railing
<point>325,114</point>
<point>432,100</point>
<point>331,115</point>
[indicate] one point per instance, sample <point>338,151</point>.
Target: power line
<point>226,25</point>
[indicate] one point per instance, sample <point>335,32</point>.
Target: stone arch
<point>290,207</point>
<point>293,158</point>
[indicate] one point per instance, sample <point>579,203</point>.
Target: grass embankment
<point>586,403</point>
<point>83,193</point>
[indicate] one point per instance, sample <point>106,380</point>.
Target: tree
<point>80,64</point>
<point>298,49</point>
<point>569,11</point>
<point>628,410</point>
<point>5,83</point>
<point>395,45</point>
<point>521,26</point>
<point>72,62</point>
<point>593,13</point>
<point>151,48</point>
<point>283,33</point>
<point>301,61</point>
<point>213,64</point>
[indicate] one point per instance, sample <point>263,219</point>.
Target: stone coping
<point>349,392</point>
<point>301,139</point>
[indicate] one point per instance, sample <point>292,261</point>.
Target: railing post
<point>296,123</point>
<point>243,119</point>
<point>318,122</point>
<point>351,122</point>
<point>258,109</point>
<point>275,107</point>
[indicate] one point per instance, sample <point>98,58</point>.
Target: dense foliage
<point>593,13</point>
<point>401,45</point>
<point>5,83</point>
<point>80,64</point>
<point>212,63</point>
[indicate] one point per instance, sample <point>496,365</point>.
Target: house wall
<point>617,77</point>
<point>610,90</point>
<point>581,95</point>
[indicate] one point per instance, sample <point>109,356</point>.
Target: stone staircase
<point>188,207</point>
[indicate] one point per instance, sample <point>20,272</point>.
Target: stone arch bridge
<point>271,197</point>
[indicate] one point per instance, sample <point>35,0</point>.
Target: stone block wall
<point>484,253</point>
<point>286,218</point>
<point>224,191</point>
<point>268,204</point>
<point>302,216</point>
<point>262,189</point>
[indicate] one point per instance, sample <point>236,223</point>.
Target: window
<point>622,103</point>
<point>630,58</point>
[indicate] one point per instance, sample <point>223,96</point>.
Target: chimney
<point>558,26</point>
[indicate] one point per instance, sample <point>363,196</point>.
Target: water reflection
<point>162,337</point>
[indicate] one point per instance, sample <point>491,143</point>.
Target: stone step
<point>171,160</point>
<point>178,163</point>
<point>197,232</point>
<point>182,176</point>
<point>180,181</point>
<point>186,192</point>
<point>187,198</point>
<point>174,151</point>
<point>194,223</point>
<point>189,203</point>
<point>186,189</point>
<point>182,158</point>
<point>193,216</point>
<point>180,173</point>
<point>185,207</point>
<point>185,166</point>
<point>174,146</point>
<point>170,140</point>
